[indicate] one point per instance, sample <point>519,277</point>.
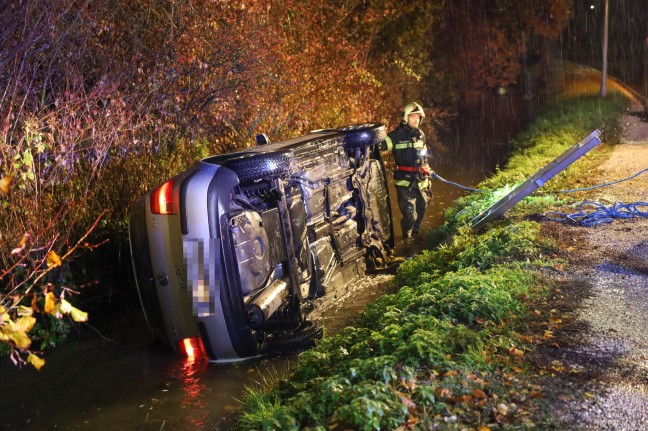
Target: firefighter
<point>407,143</point>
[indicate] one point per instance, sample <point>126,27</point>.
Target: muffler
<point>267,302</point>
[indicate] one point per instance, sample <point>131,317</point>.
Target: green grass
<point>446,351</point>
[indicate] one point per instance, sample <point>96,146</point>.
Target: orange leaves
<point>19,338</point>
<point>557,366</point>
<point>35,361</point>
<point>21,245</point>
<point>487,401</point>
<point>536,394</point>
<point>25,323</point>
<point>6,184</point>
<point>15,332</point>
<point>478,393</point>
<point>16,323</point>
<point>407,401</point>
<point>25,311</point>
<point>514,351</point>
<point>61,307</point>
<point>34,304</point>
<point>50,303</point>
<point>555,321</point>
<point>53,259</point>
<point>27,292</point>
<point>77,315</point>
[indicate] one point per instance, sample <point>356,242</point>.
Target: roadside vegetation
<point>99,102</point>
<point>450,349</point>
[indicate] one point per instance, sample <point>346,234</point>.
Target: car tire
<point>363,135</point>
<point>302,338</point>
<point>256,166</point>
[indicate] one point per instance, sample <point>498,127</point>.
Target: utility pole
<point>645,69</point>
<point>605,50</point>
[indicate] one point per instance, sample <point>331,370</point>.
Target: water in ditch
<point>123,380</point>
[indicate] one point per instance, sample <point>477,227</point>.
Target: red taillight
<point>190,347</point>
<point>162,199</point>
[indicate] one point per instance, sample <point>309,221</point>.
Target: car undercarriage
<point>229,254</point>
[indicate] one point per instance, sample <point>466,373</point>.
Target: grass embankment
<point>450,349</point>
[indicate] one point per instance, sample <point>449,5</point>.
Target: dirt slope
<point>597,368</point>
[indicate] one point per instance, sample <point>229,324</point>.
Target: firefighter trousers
<point>412,203</point>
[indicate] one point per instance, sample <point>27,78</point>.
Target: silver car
<point>229,255</point>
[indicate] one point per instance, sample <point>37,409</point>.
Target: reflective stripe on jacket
<point>407,143</point>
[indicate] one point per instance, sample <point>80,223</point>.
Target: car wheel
<point>300,339</point>
<point>363,135</point>
<point>255,166</point>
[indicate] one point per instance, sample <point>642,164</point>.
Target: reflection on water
<point>130,384</point>
<point>193,388</point>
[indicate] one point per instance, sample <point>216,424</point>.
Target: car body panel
<point>255,235</point>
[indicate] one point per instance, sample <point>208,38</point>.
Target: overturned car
<point>229,254</point>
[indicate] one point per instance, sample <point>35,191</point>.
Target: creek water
<point>122,380</point>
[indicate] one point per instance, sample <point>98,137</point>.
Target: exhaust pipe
<point>267,302</point>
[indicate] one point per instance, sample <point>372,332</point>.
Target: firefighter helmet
<point>412,108</point>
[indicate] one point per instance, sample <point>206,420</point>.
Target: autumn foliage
<point>99,101</point>
<point>496,39</point>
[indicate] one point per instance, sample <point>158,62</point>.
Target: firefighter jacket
<point>409,148</point>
